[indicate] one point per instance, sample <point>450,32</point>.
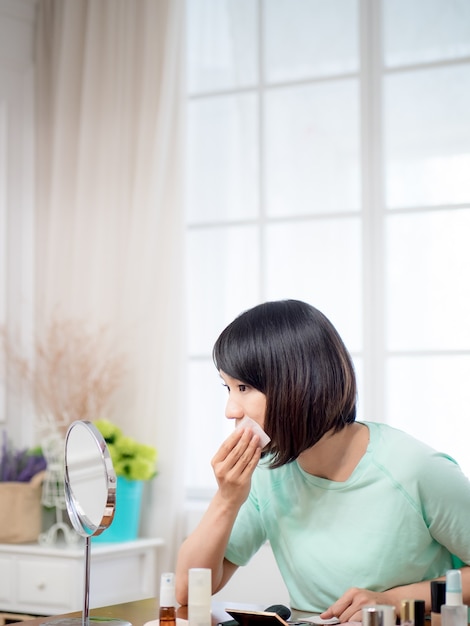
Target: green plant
<point>131,459</point>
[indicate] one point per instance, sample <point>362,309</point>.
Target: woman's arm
<point>349,607</point>
<point>233,467</point>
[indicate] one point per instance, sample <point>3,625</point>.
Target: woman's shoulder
<point>386,435</point>
<point>393,447</point>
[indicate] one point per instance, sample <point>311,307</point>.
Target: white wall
<point>258,583</point>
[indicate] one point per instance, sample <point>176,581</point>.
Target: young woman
<point>356,513</point>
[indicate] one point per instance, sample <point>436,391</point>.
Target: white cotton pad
<point>316,619</point>
<point>256,428</point>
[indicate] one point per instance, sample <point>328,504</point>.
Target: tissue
<point>256,428</point>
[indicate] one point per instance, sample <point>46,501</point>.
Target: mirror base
<point>80,621</point>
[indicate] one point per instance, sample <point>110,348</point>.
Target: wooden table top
<point>142,611</point>
<point>139,612</point>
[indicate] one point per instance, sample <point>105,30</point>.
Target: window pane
<point>428,147</point>
<point>320,262</point>
<point>222,181</point>
<point>223,280</point>
<point>425,30</point>
<point>207,425</point>
<point>425,397</point>
<point>222,44</point>
<point>306,38</point>
<point>428,290</point>
<point>312,149</point>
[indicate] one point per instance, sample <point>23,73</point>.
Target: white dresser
<point>48,580</point>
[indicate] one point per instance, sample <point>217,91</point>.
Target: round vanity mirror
<point>90,480</point>
<point>90,497</point>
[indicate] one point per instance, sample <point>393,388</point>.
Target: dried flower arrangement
<point>72,375</point>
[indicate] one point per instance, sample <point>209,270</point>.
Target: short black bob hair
<point>292,353</point>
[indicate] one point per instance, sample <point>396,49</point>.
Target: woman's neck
<point>336,455</point>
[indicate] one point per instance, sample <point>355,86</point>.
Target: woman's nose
<point>233,410</point>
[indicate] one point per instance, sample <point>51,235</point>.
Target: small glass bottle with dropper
<point>454,612</point>
<point>167,600</point>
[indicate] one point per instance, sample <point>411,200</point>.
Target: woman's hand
<point>349,607</point>
<point>234,464</point>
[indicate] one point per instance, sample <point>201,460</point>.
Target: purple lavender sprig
<point>19,465</point>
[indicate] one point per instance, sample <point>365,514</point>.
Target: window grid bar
<point>425,65</point>
<point>373,210</point>
<point>303,82</point>
<point>261,155</point>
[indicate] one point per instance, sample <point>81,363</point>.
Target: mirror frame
<point>78,517</point>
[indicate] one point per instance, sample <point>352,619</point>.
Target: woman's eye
<point>226,387</point>
<point>241,387</point>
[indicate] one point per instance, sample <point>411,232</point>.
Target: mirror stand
<point>86,596</point>
<point>85,619</point>
<point>90,496</point>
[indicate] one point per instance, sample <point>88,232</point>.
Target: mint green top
<point>398,519</point>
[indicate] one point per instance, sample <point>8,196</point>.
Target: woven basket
<point>20,510</point>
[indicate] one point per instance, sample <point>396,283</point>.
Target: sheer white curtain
<point>109,223</point>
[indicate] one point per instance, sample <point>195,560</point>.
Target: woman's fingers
<point>235,462</point>
<point>348,608</point>
<point>241,443</point>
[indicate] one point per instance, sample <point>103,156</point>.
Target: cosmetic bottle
<point>389,617</point>
<point>407,613</point>
<point>167,600</point>
<point>199,596</point>
<point>454,612</point>
<point>419,611</point>
<point>438,598</point>
<point>372,616</point>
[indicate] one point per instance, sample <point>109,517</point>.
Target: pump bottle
<point>167,600</point>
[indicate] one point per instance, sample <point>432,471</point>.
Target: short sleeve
<point>445,498</point>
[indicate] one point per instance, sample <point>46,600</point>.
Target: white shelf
<point>48,580</point>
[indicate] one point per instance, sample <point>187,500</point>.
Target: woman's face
<point>243,400</point>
